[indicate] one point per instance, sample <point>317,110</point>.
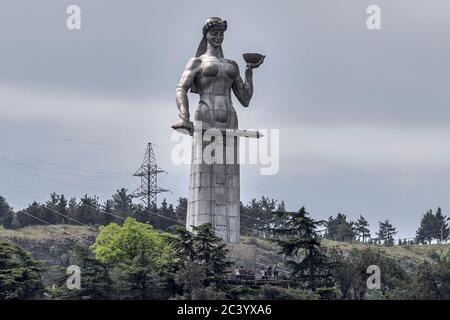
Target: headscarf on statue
<point>213,23</point>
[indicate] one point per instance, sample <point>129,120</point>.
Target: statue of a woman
<point>214,191</point>
<point>212,76</point>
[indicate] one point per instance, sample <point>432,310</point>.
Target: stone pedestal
<point>243,255</point>
<point>214,189</point>
<point>214,193</point>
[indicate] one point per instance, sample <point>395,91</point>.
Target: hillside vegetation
<point>51,243</point>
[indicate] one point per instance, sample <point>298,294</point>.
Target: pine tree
<point>426,231</point>
<point>440,225</point>
<point>88,211</point>
<point>362,228</point>
<point>96,283</point>
<point>72,208</point>
<point>182,246</point>
<point>181,209</point>
<point>49,210</point>
<point>6,214</point>
<point>300,245</point>
<point>25,217</point>
<point>108,211</point>
<point>339,229</point>
<point>386,232</point>
<point>122,203</point>
<point>20,275</point>
<point>210,252</point>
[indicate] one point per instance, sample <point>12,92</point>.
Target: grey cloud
<point>325,75</point>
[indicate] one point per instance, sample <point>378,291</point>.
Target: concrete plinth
<point>214,194</point>
<point>243,255</point>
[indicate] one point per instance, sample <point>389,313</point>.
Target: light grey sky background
<point>363,115</point>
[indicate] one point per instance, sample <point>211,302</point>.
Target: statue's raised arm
<point>244,90</point>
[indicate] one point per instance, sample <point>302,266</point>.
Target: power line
<point>52,210</point>
<point>52,225</point>
<point>28,188</point>
<point>70,139</point>
<point>122,218</point>
<point>56,180</point>
<point>56,164</point>
<point>64,173</point>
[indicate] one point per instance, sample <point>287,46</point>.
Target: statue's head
<point>213,31</point>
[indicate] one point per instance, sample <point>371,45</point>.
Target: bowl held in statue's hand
<point>252,57</point>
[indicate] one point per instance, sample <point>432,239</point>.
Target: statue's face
<point>215,38</point>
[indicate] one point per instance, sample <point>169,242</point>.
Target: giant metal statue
<point>214,192</point>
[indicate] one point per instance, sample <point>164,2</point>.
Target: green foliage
<point>138,250</point>
<point>269,292</point>
<point>96,283</point>
<point>258,217</point>
<point>386,232</point>
<point>350,272</point>
<point>182,246</point>
<point>124,243</point>
<point>199,260</point>
<point>339,229</point>
<point>362,229</point>
<point>431,226</point>
<point>6,214</point>
<point>210,251</point>
<point>299,243</point>
<point>192,280</point>
<point>181,209</point>
<point>433,280</point>
<point>20,275</point>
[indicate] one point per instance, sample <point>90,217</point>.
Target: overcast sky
<point>363,115</point>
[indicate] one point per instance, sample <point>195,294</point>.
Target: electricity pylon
<point>148,171</point>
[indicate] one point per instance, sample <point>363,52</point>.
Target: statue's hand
<point>257,64</point>
<point>184,126</point>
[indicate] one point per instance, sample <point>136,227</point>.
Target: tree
<point>108,210</point>
<point>362,228</point>
<point>202,250</point>
<point>62,208</point>
<point>20,275</point>
<point>49,210</point>
<point>343,272</point>
<point>440,225</point>
<point>181,209</point>
<point>210,252</point>
<point>72,208</point>
<point>426,231</point>
<point>386,232</point>
<point>96,283</point>
<point>122,203</point>
<point>25,217</point>
<point>433,280</point>
<point>301,247</point>
<point>339,229</point>
<point>350,273</point>
<point>139,252</point>
<point>182,246</point>
<point>6,214</point>
<point>88,211</point>
<point>258,216</point>
<point>191,279</point>
<point>431,226</point>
